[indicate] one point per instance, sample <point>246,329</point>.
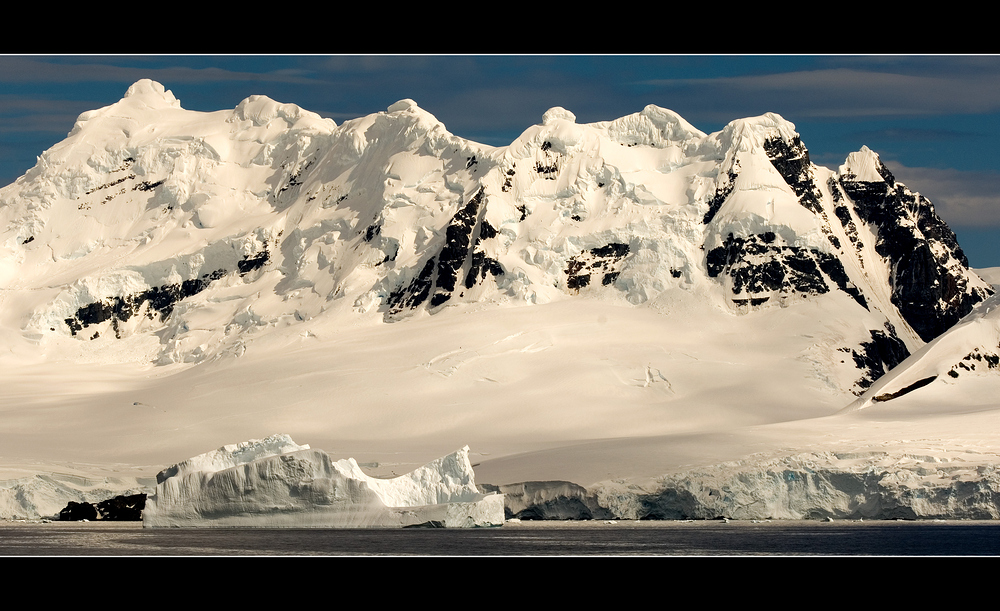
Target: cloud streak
<point>961,198</point>
<point>838,93</point>
<point>54,70</point>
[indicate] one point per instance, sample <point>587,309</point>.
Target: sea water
<point>621,538</point>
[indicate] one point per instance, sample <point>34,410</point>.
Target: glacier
<point>274,483</point>
<point>872,483</point>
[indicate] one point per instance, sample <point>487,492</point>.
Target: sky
<point>933,119</point>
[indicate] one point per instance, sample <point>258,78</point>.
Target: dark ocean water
<point>699,538</point>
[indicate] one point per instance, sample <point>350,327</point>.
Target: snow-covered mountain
<point>385,281</point>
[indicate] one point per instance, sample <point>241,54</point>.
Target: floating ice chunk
<point>231,455</point>
<point>275,483</point>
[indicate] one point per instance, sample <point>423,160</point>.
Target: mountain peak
<point>864,166</point>
<point>152,94</point>
<point>752,132</point>
<point>404,104</point>
<point>143,96</point>
<point>407,112</point>
<point>261,110</point>
<point>557,113</point>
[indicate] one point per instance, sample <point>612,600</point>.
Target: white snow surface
<point>971,348</point>
<point>863,165</point>
<point>301,230</point>
<point>275,483</point>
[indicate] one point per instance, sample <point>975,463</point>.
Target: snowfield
<point>623,319</point>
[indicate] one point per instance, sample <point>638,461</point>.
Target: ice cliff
<point>866,484</point>
<point>274,483</point>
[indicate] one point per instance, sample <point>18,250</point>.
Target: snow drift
<point>273,483</point>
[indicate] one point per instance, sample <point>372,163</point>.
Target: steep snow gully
<point>628,319</point>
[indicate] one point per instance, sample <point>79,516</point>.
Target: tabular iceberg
<point>275,483</point>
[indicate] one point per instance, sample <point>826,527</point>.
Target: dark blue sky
<point>934,120</point>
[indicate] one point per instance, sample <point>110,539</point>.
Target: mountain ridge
<point>632,276</point>
<point>396,214</point>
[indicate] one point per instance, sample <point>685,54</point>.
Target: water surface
<point>623,538</point>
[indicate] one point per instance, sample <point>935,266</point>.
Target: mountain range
<point>592,303</point>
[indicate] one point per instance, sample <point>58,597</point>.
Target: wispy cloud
<point>65,70</point>
<point>906,134</point>
<point>961,198</point>
<point>845,92</point>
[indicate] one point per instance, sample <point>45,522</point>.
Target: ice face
<point>276,483</point>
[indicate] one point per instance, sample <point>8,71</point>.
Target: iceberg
<point>275,483</point>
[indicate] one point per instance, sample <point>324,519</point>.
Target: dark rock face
<point>252,262</point>
<point>549,168</point>
<point>409,297</point>
<point>74,512</point>
<point>843,214</point>
<point>147,186</point>
<point>902,391</point>
<point>161,299</point>
<point>120,508</point>
<point>986,360</point>
<point>792,162</point>
<point>458,238</point>
<point>719,198</point>
<point>428,524</point>
<point>928,270</point>
<point>479,264</point>
<point>508,182</point>
<point>760,266</point>
<point>877,357</point>
<point>439,277</point>
<point>479,267</point>
<point>123,508</point>
<point>605,261</point>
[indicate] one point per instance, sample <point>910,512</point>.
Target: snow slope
<point>594,302</point>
